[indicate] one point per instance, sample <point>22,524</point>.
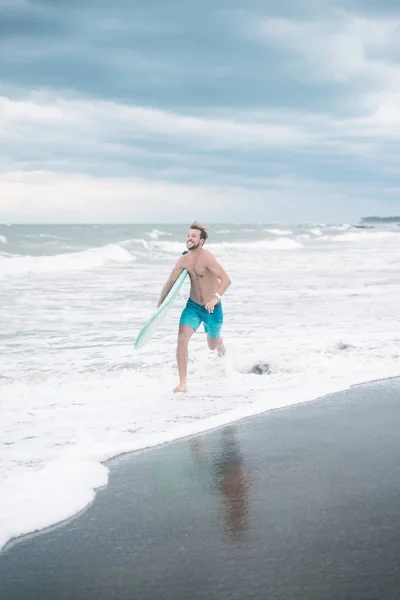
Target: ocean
<point>312,309</point>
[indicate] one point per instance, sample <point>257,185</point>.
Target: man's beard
<point>194,247</point>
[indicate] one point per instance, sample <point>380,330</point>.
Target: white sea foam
<point>156,233</point>
<point>3,239</point>
<point>316,231</point>
<point>277,244</point>
<point>279,231</point>
<point>47,236</point>
<point>168,247</point>
<point>343,227</point>
<point>363,236</point>
<point>74,392</point>
<point>136,243</point>
<point>87,259</point>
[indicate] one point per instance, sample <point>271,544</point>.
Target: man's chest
<point>197,269</point>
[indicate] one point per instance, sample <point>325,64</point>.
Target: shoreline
<point>301,502</point>
<point>173,439</point>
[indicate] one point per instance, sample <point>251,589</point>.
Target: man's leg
<point>182,356</point>
<point>216,344</point>
<point>213,325</point>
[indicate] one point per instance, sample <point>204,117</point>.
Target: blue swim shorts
<point>194,314</point>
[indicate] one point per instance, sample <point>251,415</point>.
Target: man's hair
<point>201,228</point>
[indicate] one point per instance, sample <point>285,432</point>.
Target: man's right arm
<point>176,271</point>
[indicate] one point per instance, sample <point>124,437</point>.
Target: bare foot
<point>221,350</point>
<point>182,387</point>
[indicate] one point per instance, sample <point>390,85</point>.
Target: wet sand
<point>299,503</point>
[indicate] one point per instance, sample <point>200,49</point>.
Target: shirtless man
<point>208,283</point>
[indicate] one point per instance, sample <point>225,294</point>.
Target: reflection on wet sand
<point>231,479</point>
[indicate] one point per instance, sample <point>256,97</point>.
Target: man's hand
<point>210,305</point>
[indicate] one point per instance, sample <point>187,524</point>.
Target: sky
<point>168,110</point>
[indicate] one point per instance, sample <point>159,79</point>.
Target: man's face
<point>193,239</point>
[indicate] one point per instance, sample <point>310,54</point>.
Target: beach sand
<point>298,503</point>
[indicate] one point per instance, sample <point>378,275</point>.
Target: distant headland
<point>380,220</point>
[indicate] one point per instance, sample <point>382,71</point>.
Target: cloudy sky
<point>165,110</point>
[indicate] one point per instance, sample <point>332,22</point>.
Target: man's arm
<point>176,271</point>
<point>217,270</point>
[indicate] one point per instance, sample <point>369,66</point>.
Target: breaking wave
<point>75,261</point>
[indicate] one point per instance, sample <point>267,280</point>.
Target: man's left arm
<point>217,270</point>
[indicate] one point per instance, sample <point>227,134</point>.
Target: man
<point>208,281</point>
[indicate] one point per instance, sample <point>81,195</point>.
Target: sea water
<point>312,309</point>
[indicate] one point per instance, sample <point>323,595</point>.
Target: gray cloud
<point>272,105</point>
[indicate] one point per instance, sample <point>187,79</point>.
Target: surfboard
<point>156,319</point>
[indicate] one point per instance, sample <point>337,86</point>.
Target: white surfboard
<point>156,319</point>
